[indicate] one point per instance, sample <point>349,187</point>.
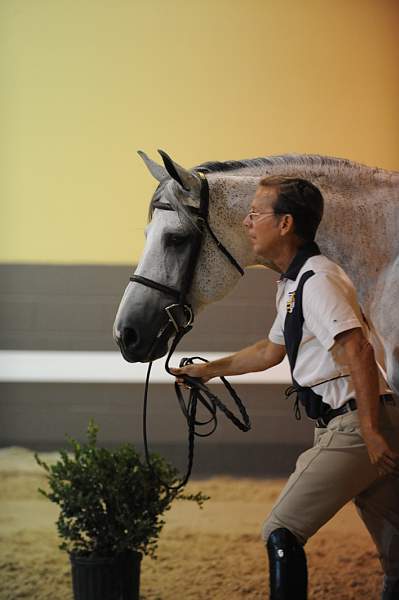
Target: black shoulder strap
<point>293,324</point>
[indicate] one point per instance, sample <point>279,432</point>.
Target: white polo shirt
<point>330,307</point>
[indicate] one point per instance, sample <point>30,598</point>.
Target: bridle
<point>181,305</point>
<point>181,317</point>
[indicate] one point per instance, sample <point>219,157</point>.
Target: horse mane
<point>315,163</point>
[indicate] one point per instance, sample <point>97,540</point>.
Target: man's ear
<point>286,224</point>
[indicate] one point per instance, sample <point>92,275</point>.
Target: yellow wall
<point>85,83</point>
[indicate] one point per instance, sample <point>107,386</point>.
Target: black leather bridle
<point>180,315</point>
<point>181,305</point>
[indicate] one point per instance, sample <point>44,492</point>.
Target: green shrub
<point>110,501</point>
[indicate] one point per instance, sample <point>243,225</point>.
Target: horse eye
<point>174,239</point>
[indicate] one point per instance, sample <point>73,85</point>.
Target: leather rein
<point>180,317</point>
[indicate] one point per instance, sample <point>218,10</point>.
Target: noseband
<point>181,317</point>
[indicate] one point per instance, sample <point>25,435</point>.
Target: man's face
<point>262,224</point>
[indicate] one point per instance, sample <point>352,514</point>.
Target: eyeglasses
<point>254,216</point>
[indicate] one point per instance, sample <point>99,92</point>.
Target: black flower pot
<point>113,578</point>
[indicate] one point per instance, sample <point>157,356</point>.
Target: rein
<point>180,317</point>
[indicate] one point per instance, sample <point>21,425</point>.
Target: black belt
<point>349,405</point>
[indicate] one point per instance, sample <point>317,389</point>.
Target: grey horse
<point>359,231</point>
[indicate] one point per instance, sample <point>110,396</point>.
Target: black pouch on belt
<point>313,403</point>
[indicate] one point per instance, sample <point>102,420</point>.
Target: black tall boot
<point>391,589</point>
<point>287,565</point>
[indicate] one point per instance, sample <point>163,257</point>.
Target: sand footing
<point>211,554</point>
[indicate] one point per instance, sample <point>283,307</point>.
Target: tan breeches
<point>338,469</point>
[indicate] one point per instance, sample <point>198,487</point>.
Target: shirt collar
<point>306,251</point>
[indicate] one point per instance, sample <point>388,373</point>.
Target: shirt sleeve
<point>276,333</point>
<point>330,307</point>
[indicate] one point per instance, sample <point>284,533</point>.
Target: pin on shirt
<point>291,301</point>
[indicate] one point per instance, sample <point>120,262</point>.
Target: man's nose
<point>246,221</point>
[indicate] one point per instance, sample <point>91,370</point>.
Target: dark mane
<point>268,161</point>
<point>350,169</point>
<point>228,165</point>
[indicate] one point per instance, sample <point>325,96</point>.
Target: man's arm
<point>359,356</point>
<point>258,357</point>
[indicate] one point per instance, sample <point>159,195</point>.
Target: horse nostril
<point>130,337</point>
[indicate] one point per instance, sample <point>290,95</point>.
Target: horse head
<point>180,261</point>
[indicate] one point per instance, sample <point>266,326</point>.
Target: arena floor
<point>211,554</point>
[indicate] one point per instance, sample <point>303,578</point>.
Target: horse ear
<point>157,171</point>
<point>185,178</point>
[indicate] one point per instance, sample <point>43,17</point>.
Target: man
<point>321,328</point>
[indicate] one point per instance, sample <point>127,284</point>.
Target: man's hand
<point>197,370</point>
<point>359,356</point>
<point>381,455</point>
<point>258,357</point>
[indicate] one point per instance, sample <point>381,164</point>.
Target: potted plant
<point>111,507</point>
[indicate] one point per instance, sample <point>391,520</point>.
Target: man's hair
<point>299,198</point>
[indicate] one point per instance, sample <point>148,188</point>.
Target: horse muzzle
<point>147,341</point>
<point>134,345</point>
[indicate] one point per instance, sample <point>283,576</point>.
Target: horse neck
<point>354,195</point>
